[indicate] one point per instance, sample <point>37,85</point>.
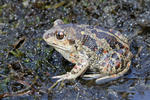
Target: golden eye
<point>60,35</point>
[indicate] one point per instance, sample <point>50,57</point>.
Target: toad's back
<point>108,50</point>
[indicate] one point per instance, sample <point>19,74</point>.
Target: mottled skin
<point>105,52</point>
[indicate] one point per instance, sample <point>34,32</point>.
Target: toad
<point>105,52</point>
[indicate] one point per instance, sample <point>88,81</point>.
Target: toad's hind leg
<point>112,77</point>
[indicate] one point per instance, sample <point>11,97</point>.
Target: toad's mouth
<point>59,47</point>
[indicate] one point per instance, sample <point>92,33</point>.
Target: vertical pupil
<point>60,35</point>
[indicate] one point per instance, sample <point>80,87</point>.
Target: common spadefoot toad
<point>104,51</point>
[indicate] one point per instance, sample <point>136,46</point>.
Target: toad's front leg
<point>77,71</point>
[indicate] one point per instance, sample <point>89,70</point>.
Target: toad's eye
<point>60,35</point>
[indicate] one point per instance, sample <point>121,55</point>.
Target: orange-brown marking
<point>128,65</point>
<point>105,69</point>
<point>55,42</point>
<point>118,64</point>
<point>73,61</point>
<point>114,75</point>
<point>71,54</point>
<point>127,48</point>
<point>104,51</point>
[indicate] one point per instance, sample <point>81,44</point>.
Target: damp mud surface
<point>27,63</point>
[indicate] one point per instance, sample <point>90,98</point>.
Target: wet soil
<point>27,63</point>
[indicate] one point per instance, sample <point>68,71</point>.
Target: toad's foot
<point>100,79</point>
<point>67,76</point>
<point>91,76</point>
<point>75,72</point>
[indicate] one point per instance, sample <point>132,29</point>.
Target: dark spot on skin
<point>100,51</point>
<point>120,51</point>
<point>111,63</point>
<point>84,39</point>
<point>90,27</point>
<point>115,56</point>
<point>76,47</point>
<point>120,45</point>
<point>82,30</point>
<point>110,39</point>
<point>94,31</point>
<point>89,42</point>
<point>71,41</point>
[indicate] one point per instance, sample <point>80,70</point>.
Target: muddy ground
<point>27,63</point>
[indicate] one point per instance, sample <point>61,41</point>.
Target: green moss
<point>27,60</point>
<point>3,84</point>
<point>65,20</point>
<point>1,32</point>
<point>17,53</point>
<point>48,6</point>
